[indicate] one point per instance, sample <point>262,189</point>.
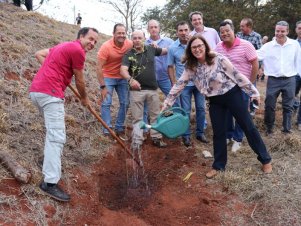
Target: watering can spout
<point>171,125</point>
<point>143,125</point>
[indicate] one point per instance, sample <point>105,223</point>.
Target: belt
<point>281,77</point>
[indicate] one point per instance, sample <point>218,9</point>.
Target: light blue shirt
<point>174,57</point>
<point>161,61</point>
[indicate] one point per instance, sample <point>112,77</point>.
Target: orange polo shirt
<point>113,54</point>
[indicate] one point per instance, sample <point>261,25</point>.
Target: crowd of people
<point>217,67</point>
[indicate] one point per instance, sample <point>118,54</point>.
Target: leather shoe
<point>186,141</point>
<point>267,168</point>
<point>212,173</point>
<point>54,191</point>
<point>202,138</point>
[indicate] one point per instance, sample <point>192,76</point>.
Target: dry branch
<point>19,172</point>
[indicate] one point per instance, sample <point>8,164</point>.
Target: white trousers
<point>52,108</point>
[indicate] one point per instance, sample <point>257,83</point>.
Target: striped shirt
<point>241,54</point>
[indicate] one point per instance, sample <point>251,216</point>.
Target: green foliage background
<point>264,13</point>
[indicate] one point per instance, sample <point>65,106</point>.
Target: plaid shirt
<point>253,37</point>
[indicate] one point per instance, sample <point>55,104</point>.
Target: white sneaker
<point>299,127</point>
<point>236,146</point>
<point>229,140</point>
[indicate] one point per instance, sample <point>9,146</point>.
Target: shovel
<point>106,126</point>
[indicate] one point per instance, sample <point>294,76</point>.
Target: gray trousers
<point>137,100</point>
<point>275,86</point>
<point>53,111</point>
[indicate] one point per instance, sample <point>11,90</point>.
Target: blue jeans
<point>185,97</point>
<point>233,129</point>
<point>121,87</point>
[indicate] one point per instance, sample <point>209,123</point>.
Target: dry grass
<point>277,196</point>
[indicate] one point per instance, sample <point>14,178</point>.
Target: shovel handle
<point>106,126</point>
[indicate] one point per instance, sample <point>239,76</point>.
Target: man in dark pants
<point>280,59</point>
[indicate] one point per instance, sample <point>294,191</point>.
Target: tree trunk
<point>19,172</point>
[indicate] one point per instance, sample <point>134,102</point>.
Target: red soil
<point>161,198</point>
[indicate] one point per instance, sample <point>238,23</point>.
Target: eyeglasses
<point>200,46</point>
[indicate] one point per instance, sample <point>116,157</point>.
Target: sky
<point>94,14</point>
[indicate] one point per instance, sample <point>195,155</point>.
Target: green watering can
<point>172,125</point>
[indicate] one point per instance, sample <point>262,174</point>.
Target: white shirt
<point>210,35</point>
<point>281,60</point>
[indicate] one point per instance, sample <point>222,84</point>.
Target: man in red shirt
<point>59,64</point>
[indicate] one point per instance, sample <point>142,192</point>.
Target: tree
<point>128,9</point>
<point>153,13</point>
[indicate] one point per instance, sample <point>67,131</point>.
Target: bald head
<point>138,39</point>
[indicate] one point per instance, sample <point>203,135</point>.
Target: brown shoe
<point>212,173</point>
<point>267,168</point>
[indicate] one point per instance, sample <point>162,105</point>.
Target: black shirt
<point>142,66</point>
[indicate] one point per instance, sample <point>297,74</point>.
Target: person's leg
<point>288,95</point>
<point>230,125</point>
<point>298,87</point>
<point>186,105</point>
<point>54,116</point>
<point>17,3</point>
<point>107,102</point>
<point>218,121</point>
<point>137,99</point>
<point>238,132</point>
<point>28,5</point>
<point>153,103</point>
<point>185,102</point>
<point>244,119</point>
<point>199,100</point>
<point>272,93</point>
<point>122,92</point>
<point>165,86</point>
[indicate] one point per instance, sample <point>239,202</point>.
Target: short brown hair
<point>195,13</point>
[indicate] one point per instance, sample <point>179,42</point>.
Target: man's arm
<point>41,55</point>
<point>254,71</point>
<point>172,74</point>
<point>124,72</point>
<point>80,85</point>
<point>100,64</point>
<point>164,51</point>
